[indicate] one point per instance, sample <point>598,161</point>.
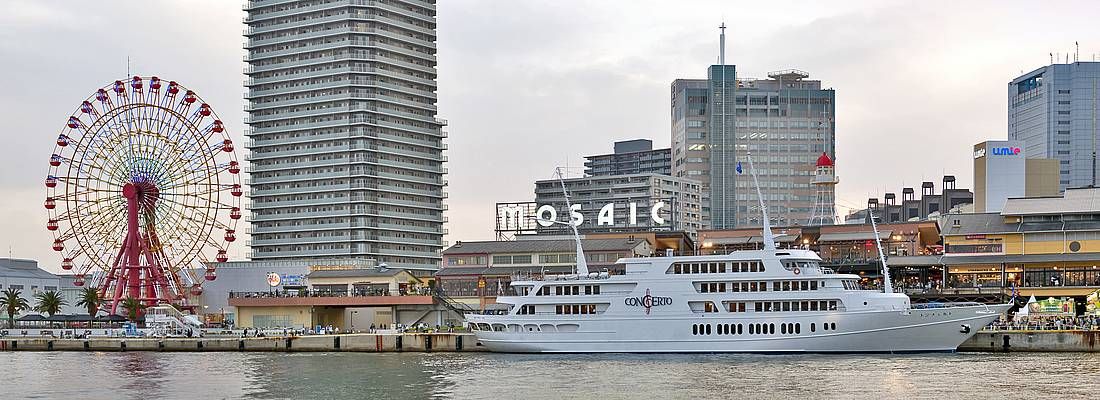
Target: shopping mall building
<point>1042,246</point>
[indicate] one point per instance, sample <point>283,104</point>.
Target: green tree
<point>134,308</point>
<point>90,300</point>
<point>12,303</point>
<point>49,302</point>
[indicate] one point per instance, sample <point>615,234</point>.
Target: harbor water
<point>393,376</point>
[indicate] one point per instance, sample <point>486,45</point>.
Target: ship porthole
<point>965,328</point>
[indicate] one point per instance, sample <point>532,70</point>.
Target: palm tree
<point>89,299</point>
<point>12,303</point>
<point>133,307</point>
<point>49,302</point>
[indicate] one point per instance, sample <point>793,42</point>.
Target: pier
<point>1085,341</point>
<point>377,343</point>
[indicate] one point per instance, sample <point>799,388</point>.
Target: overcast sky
<point>530,85</point>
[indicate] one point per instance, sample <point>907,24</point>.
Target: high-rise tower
<point>1055,111</point>
<point>346,150</point>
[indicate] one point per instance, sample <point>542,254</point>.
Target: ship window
<point>694,329</point>
<point>804,306</point>
<point>813,327</point>
<point>786,306</point>
<point>771,329</point>
<point>786,286</point>
<point>751,329</point>
<point>813,306</point>
<point>833,327</point>
<point>798,328</point>
<point>721,286</point>
<point>739,330</point>
<point>776,286</point>
<point>587,290</point>
<point>557,309</point>
<point>804,285</point>
<point>783,328</point>
<point>832,305</point>
<point>813,285</point>
<point>557,290</point>
<point>722,268</point>
<point>708,329</point>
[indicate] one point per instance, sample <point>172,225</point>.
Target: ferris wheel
<point>143,191</point>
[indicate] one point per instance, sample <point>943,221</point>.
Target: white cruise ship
<point>769,301</point>
<point>758,301</point>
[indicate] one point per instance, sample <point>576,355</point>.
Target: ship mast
<point>582,264</point>
<point>769,239</point>
<point>887,287</point>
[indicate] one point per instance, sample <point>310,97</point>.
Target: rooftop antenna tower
<point>722,44</point>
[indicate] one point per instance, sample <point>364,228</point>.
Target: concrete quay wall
<point>419,342</point>
<point>1035,341</point>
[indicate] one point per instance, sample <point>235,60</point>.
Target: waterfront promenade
<point>356,342</point>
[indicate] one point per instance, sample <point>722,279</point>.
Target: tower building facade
<point>785,122</point>
<point>346,150</point>
<point>1053,111</point>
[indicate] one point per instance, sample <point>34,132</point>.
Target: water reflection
<point>230,375</point>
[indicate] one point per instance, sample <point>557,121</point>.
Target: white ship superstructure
<point>748,301</point>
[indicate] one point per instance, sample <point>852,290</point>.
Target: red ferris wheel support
<point>136,271</point>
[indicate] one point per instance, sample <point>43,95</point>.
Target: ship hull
<point>883,331</point>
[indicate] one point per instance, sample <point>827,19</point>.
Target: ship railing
<point>560,277</point>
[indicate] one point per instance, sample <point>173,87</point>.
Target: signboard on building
<point>516,218</point>
<point>1052,306</point>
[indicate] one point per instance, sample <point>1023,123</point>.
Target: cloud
<point>530,85</point>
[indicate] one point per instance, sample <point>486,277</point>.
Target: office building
<point>786,122</point>
<point>630,157</point>
<point>1002,172</point>
<point>620,203</point>
<point>690,155</point>
<point>346,150</point>
<point>1053,112</point>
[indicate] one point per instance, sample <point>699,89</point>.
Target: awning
<point>852,236</point>
<point>31,317</point>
